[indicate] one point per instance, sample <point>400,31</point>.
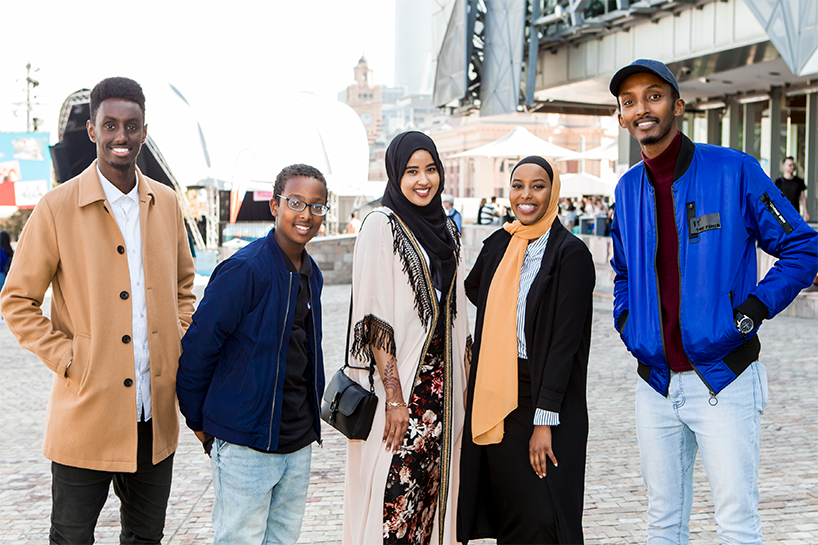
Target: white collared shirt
<point>531,266</point>
<point>126,212</point>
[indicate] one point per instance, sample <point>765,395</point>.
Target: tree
<point>14,225</point>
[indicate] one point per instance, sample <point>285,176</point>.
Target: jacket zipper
<point>315,363</point>
<point>656,275</point>
<point>278,362</point>
<point>679,272</point>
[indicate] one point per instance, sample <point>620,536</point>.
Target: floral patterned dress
<point>412,486</point>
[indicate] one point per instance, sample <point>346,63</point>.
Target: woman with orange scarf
<point>522,466</point>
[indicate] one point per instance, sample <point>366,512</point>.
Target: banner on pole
<point>25,168</point>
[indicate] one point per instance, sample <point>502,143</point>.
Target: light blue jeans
<point>260,497</point>
<point>726,430</point>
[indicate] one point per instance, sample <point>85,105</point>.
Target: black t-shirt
<point>792,189</point>
<point>297,418</point>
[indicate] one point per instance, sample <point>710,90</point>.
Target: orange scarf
<point>495,386</point>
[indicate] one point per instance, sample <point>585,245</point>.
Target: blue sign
<point>25,168</point>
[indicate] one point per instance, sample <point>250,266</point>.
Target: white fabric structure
<point>449,35</point>
<point>175,134</point>
<point>279,128</point>
<point>582,183</point>
<point>609,152</point>
<point>503,60</point>
<point>791,26</point>
<point>520,143</point>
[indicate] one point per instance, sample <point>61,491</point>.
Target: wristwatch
<point>744,324</point>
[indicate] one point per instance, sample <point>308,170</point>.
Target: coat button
<point>123,295</point>
<point>128,382</point>
<point>126,339</point>
<point>120,249</point>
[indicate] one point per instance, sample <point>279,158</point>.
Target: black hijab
<point>427,223</point>
<point>534,159</point>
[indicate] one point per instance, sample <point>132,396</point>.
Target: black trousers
<point>525,509</point>
<point>78,496</point>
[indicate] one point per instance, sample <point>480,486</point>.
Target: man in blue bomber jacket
<point>251,374</point>
<point>688,305</point>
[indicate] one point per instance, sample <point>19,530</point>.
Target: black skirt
<point>523,503</point>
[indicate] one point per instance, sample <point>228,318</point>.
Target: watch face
<point>366,118</point>
<point>745,325</point>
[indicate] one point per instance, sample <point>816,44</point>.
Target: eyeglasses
<point>298,205</point>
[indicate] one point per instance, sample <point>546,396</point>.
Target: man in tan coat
<point>112,245</point>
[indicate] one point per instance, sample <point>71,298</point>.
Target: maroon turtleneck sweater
<point>661,169</point>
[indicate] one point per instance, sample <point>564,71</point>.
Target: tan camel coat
<point>73,243</point>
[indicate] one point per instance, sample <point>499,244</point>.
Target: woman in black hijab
<point>409,320</point>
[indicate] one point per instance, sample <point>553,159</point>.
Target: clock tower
<point>366,99</point>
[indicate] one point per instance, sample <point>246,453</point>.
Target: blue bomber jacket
<point>725,205</point>
<point>230,381</point>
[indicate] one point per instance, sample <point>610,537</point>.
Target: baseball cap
<point>643,65</point>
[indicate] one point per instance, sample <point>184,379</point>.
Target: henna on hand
<point>391,382</point>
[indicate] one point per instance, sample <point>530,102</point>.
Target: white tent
<point>175,133</point>
<point>520,143</point>
<point>609,152</point>
<point>280,128</point>
<point>582,183</point>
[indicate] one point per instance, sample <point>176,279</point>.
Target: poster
<point>25,168</point>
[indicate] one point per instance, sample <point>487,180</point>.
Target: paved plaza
<point>615,501</point>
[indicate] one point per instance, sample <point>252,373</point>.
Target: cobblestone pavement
<point>615,501</point>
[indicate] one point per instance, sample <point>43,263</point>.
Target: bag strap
<point>371,366</point>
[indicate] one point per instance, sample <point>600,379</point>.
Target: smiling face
<point>420,178</point>
<point>530,193</point>
<point>648,110</point>
<point>119,131</point>
<point>295,229</point>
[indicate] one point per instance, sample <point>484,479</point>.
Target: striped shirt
<point>531,266</point>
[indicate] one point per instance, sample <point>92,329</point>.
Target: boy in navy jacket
<point>251,375</point>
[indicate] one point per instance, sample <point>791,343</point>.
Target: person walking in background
<point>688,306</point>
<point>480,211</point>
<point>251,373</point>
<point>523,456</point>
<point>488,213</point>
<point>112,245</point>
<point>569,218</point>
<point>492,212</point>
<point>793,187</point>
<point>6,253</point>
<point>409,320</point>
<point>354,224</point>
<point>451,211</point>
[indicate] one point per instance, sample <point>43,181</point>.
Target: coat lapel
<point>90,188</point>
<point>146,198</point>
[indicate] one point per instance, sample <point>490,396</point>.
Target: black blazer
<point>558,336</point>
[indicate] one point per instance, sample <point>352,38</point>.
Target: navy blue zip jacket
<point>725,205</point>
<point>230,380</point>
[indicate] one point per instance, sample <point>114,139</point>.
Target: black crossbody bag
<point>347,406</point>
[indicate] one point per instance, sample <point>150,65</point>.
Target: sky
<point>212,51</point>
